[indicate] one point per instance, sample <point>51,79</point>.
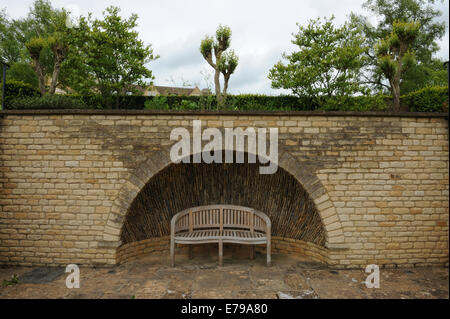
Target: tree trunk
<point>225,88</point>
<point>41,79</point>
<point>217,86</point>
<point>55,75</point>
<point>396,84</point>
<point>396,96</point>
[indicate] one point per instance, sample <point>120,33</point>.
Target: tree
<point>107,56</point>
<point>34,47</point>
<point>40,38</point>
<point>22,71</point>
<point>225,62</point>
<point>58,45</point>
<point>327,63</point>
<point>422,75</point>
<point>387,12</point>
<point>395,55</point>
<point>9,47</point>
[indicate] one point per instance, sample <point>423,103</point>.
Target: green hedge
<point>429,99</point>
<point>18,89</point>
<point>47,102</point>
<point>433,99</point>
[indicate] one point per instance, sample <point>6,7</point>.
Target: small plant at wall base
<point>10,282</point>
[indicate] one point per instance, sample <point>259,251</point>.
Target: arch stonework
<point>159,160</point>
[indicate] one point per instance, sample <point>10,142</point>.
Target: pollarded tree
<point>59,47</point>
<point>45,36</point>
<point>35,47</point>
<point>327,64</point>
<point>225,62</point>
<point>395,55</point>
<point>432,28</point>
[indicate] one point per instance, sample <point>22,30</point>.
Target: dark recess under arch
<point>180,186</point>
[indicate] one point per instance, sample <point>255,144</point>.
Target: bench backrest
<point>220,217</point>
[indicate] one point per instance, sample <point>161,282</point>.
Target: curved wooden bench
<point>220,224</point>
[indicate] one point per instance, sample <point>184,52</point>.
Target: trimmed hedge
<point>429,99</point>
<point>432,99</point>
<point>18,89</point>
<point>47,102</point>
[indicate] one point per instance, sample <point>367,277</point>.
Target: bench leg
<point>191,254</point>
<point>220,253</point>
<point>252,252</point>
<point>269,261</point>
<point>172,253</point>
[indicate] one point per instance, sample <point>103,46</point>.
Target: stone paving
<point>200,277</point>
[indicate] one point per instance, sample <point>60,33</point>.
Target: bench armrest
<point>266,221</point>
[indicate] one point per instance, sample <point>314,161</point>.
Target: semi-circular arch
<point>158,161</point>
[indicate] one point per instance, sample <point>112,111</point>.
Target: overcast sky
<point>262,31</point>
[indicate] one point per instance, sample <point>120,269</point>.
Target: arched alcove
<point>179,186</point>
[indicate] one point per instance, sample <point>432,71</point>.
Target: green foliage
<point>429,99</point>
<point>35,46</point>
<point>29,40</point>
<point>18,89</point>
<point>10,48</point>
<point>397,46</point>
<point>207,102</point>
<point>48,102</point>
<point>156,103</point>
<point>225,63</point>
<point>228,62</point>
<point>44,35</point>
<point>360,103</point>
<point>262,102</point>
<point>206,47</point>
<point>10,282</point>
<point>22,71</point>
<point>223,36</point>
<point>327,63</point>
<point>423,75</point>
<point>108,57</point>
<point>395,55</point>
<point>386,12</point>
<point>15,88</point>
<point>188,105</point>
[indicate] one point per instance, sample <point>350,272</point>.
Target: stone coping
<point>225,112</point>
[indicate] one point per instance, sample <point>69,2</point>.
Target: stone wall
<point>380,183</point>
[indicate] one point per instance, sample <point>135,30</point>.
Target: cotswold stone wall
<point>68,179</point>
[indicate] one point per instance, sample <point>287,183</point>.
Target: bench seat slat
<point>198,235</point>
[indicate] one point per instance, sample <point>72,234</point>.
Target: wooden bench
<point>220,224</point>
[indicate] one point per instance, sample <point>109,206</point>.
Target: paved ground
<point>151,277</point>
